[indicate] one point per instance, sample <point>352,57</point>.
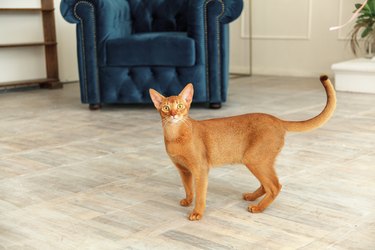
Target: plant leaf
<point>358,5</point>
<point>371,4</point>
<point>367,9</point>
<point>366,31</point>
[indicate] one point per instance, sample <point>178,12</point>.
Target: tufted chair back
<point>158,15</point>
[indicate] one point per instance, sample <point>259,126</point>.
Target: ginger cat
<point>251,139</point>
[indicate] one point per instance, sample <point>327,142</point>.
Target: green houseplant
<point>364,28</point>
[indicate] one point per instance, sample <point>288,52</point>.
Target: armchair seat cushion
<point>152,49</point>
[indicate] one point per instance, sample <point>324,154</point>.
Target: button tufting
<point>130,74</point>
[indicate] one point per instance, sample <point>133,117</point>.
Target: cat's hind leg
<point>254,195</point>
<point>187,181</point>
<point>270,185</point>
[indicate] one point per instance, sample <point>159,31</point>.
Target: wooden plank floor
<point>71,178</point>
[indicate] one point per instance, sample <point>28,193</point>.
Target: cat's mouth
<point>174,119</point>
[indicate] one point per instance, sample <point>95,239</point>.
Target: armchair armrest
<point>111,18</point>
<point>208,24</point>
<point>230,9</point>
<point>97,21</point>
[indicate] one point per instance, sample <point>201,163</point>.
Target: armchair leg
<point>215,105</point>
<point>95,106</point>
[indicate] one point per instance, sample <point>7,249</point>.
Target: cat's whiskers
<point>186,122</point>
<point>172,127</point>
<point>165,122</point>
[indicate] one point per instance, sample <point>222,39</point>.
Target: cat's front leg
<point>201,183</point>
<point>187,181</point>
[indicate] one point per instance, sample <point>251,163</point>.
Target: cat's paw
<point>254,209</point>
<point>195,216</point>
<point>249,196</point>
<point>185,202</point>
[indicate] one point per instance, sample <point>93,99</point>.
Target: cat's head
<point>173,109</point>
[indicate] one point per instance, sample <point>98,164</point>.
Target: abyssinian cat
<point>251,139</point>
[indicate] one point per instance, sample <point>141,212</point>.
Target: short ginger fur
<point>253,139</point>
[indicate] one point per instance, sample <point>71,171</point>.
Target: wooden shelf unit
<point>49,43</point>
<point>30,44</point>
<point>26,9</point>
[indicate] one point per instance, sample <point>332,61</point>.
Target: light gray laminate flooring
<point>71,178</point>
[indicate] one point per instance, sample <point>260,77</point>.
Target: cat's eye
<point>165,108</point>
<point>180,106</point>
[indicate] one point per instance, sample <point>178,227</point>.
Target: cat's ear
<point>187,93</point>
<point>156,98</point>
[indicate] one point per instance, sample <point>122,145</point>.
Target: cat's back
<point>234,129</point>
<point>245,121</point>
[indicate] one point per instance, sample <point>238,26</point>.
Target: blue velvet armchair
<point>126,47</point>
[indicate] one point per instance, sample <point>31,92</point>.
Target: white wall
<point>290,37</point>
<point>67,50</point>
<point>28,62</point>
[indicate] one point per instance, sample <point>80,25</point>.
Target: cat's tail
<point>323,117</point>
